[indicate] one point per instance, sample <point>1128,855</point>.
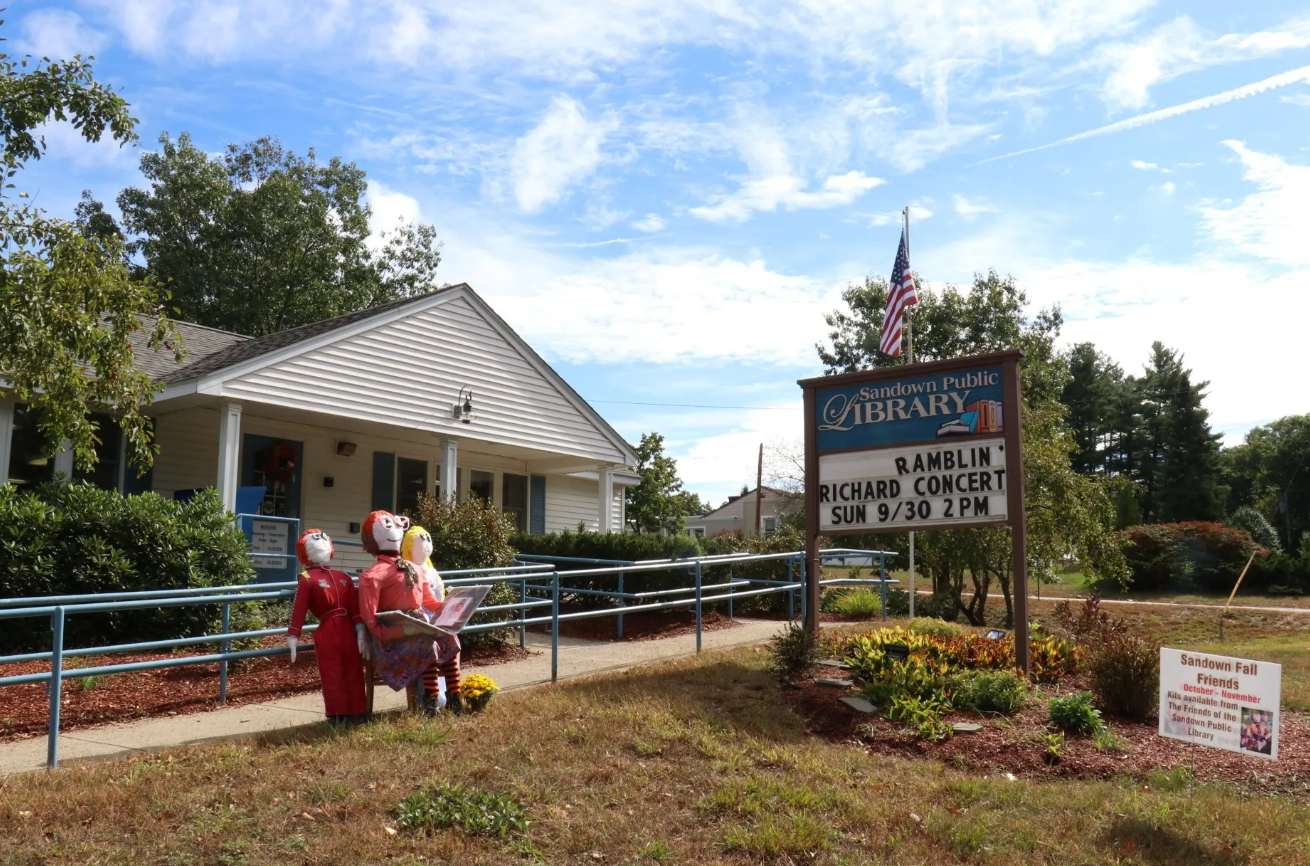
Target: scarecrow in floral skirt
<point>393,583</point>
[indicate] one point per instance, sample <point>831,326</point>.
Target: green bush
<point>1075,714</point>
<point>1257,527</point>
<point>898,602</point>
<point>72,539</point>
<point>1125,675</point>
<point>860,602</point>
<point>1153,557</point>
<point>987,691</point>
<point>472,535</point>
<point>476,811</point>
<point>934,627</point>
<point>794,651</point>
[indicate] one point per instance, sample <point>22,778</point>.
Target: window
<point>770,526</point>
<point>108,454</point>
<point>514,499</point>
<point>481,484</point>
<point>28,463</point>
<point>696,531</point>
<point>411,483</point>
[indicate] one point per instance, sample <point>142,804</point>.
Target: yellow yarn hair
<point>407,544</point>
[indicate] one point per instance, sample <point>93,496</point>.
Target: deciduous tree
<point>658,503</point>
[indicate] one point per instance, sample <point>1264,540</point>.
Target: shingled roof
<point>207,354</point>
<point>198,340</point>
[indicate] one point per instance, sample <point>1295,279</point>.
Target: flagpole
<point>909,359</point>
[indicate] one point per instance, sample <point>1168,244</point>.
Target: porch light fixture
<point>463,410</point>
<point>346,449</point>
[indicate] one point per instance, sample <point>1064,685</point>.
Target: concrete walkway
<point>577,658</point>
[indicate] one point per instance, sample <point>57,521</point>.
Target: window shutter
<point>134,484</point>
<point>384,481</point>
<point>537,505</point>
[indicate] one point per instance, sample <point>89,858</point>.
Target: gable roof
<point>768,493</point>
<point>247,348</point>
<point>198,340</point>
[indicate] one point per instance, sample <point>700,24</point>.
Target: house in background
<point>738,514</point>
<point>327,422</point>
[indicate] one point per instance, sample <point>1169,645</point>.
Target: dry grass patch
<point>696,761</point>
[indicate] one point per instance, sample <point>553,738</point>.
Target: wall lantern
<point>345,449</point>
<point>463,410</point>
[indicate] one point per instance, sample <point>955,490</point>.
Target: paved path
<point>1197,605</point>
<point>576,658</point>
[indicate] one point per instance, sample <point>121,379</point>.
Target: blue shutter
<point>537,505</point>
<point>384,481</point>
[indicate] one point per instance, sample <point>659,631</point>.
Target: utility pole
<point>909,359</point>
<point>759,495</point>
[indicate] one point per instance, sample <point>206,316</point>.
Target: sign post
<point>918,447</point>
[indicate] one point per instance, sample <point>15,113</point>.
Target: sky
<point>665,197</point>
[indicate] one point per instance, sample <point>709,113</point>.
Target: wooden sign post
<point>918,447</point>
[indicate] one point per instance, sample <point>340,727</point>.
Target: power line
<point>695,405</point>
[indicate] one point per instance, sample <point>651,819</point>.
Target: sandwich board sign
<point>917,447</point>
<point>1221,702</point>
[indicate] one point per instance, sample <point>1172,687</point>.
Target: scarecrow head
<point>314,548</point>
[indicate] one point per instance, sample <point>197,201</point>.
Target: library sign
<point>1220,702</point>
<point>935,449</point>
<point>917,447</point>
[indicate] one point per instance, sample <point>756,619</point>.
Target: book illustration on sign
<point>980,416</point>
<point>460,605</point>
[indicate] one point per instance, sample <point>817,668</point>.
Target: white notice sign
<point>269,536</point>
<point>914,488</point>
<point>1220,702</point>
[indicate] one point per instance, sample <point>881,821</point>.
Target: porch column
<point>229,453</point>
<point>64,460</point>
<point>606,504</point>
<point>447,469</point>
<point>6,436</point>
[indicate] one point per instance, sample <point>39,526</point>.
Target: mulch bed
<point>1014,744</point>
<point>649,625</point>
<point>24,710</point>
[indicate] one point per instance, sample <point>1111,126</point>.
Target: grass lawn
<point>694,761</point>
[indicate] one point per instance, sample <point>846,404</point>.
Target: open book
<point>460,605</point>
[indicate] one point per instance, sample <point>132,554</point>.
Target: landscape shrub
<point>793,652</point>
<point>1212,555</point>
<point>987,691</point>
<point>1125,675</point>
<point>1255,524</point>
<point>860,602</point>
<point>898,602</point>
<point>1075,714</point>
<point>476,811</point>
<point>933,626</point>
<point>71,539</point>
<point>472,535</point>
<point>922,716</point>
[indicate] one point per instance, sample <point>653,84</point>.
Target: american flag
<point>900,296</point>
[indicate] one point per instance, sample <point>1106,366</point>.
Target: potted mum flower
<point>478,691</point>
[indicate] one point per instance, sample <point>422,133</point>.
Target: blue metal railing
<point>538,585</point>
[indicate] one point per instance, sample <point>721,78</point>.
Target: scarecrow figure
<point>393,583</point>
<point>416,549</point>
<point>341,640</point>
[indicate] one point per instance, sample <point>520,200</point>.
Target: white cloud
<point>1297,99</point>
<point>58,34</point>
<point>649,223</point>
<point>970,210</point>
<point>1168,187</point>
<point>562,151</point>
<point>723,461</point>
<point>1268,223</point>
<point>65,142</point>
<point>1179,47</point>
<point>911,150</point>
<point>787,191</point>
<point>1144,166</point>
<point>390,208</point>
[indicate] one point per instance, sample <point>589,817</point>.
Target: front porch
<point>330,472</point>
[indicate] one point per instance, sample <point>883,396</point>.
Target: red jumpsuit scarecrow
<point>340,640</point>
<point>392,583</point>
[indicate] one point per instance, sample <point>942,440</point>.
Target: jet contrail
<point>1286,78</point>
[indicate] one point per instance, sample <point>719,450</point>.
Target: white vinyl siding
<point>570,501</point>
<point>413,368</point>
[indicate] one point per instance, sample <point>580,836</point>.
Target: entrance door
<point>277,466</point>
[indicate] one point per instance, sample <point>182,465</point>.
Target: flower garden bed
<point>1016,744</point>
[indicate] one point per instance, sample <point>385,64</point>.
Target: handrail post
<point>698,607</point>
<point>554,628</point>
<point>523,613</point>
<point>730,593</point>
<point>791,592</point>
<point>56,686</point>
<point>882,581</point>
<point>803,570</point>
<point>620,605</point>
<point>225,647</point>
